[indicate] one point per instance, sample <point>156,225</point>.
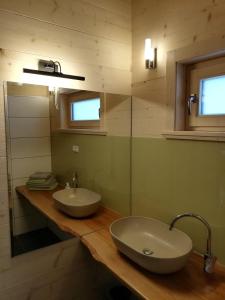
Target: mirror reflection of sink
<point>150,243</point>
<point>77,202</point>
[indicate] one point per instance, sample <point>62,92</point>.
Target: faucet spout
<point>209,259</point>
<point>75,180</point>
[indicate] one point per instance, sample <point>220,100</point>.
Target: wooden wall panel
<point>98,78</point>
<point>171,25</point>
<point>90,38</point>
<point>108,21</point>
<point>35,37</point>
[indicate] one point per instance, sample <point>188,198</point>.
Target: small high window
<point>206,95</point>
<point>86,110</point>
<point>212,96</point>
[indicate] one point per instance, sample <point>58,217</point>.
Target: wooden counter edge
<point>99,259</point>
<point>139,274</point>
<point>22,190</point>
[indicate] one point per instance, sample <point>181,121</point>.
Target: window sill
<point>82,131</point>
<point>195,135</point>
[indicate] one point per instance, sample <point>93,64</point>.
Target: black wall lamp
<point>51,68</point>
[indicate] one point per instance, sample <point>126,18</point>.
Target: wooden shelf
<point>43,201</point>
<point>82,131</point>
<point>191,283</point>
<point>195,135</point>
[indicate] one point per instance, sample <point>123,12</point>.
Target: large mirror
<point>64,131</point>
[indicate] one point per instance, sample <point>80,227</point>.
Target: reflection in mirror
<point>63,132</point>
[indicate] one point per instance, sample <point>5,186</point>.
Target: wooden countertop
<point>43,201</point>
<point>191,283</point>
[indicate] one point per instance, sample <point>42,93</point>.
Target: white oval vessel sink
<point>77,202</point>
<point>151,244</point>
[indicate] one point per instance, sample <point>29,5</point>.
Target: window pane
<point>212,100</point>
<point>86,110</point>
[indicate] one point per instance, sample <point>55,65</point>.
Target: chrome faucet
<point>75,181</point>
<point>209,259</point>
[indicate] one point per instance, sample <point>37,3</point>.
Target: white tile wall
<point>30,151</point>
<point>20,207</point>
<point>62,271</point>
<point>4,212</point>
<point>29,127</point>
<point>28,223</point>
<point>5,247</point>
<point>30,147</point>
<point>3,166</point>
<point>2,132</point>
<point>3,199</point>
<point>24,167</point>
<point>4,240</point>
<point>28,106</point>
<point>3,174</point>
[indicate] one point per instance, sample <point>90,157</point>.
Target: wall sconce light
<point>50,68</point>
<point>150,55</point>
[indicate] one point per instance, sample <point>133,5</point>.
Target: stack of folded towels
<point>41,181</point>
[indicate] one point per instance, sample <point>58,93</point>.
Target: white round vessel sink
<point>78,203</point>
<point>151,244</point>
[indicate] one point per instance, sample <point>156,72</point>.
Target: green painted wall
<point>171,177</point>
<point>103,165</point>
<point>168,177</point>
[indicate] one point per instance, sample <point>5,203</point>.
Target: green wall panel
<point>168,177</point>
<point>171,177</point>
<point>103,165</point>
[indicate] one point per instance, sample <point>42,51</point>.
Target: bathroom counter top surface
<point>191,283</point>
<point>43,201</point>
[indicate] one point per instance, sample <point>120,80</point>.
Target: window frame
<point>85,124</point>
<point>177,61</point>
<point>195,73</point>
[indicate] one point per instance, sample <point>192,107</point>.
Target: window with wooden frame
<point>195,109</point>
<point>205,106</point>
<point>85,110</point>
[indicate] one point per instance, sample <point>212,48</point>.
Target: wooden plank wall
<point>171,25</point>
<point>90,38</point>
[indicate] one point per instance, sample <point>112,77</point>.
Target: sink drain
<point>147,251</point>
